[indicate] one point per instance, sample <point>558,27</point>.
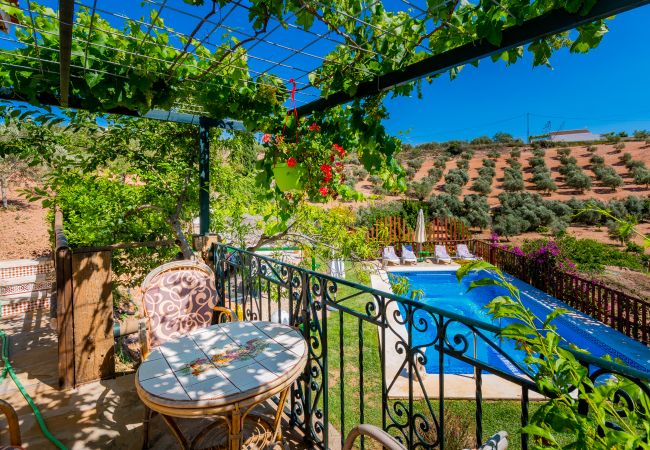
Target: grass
<point>361,355</point>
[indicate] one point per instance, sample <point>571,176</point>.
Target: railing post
<point>204,176</point>
<point>306,329</point>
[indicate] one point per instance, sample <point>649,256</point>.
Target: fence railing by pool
<point>363,363</point>
<point>628,314</point>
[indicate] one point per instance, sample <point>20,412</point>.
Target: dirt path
<point>23,229</point>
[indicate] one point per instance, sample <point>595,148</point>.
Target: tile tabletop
<point>223,360</point>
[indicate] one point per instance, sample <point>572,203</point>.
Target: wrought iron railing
<point>628,314</point>
<point>371,352</point>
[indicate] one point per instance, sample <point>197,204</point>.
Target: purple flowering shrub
<point>544,252</point>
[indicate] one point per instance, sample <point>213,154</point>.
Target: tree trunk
<point>182,240</point>
<point>3,188</point>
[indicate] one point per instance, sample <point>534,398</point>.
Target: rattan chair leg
<point>178,434</point>
<point>148,413</point>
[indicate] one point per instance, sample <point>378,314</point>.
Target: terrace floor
<point>95,415</point>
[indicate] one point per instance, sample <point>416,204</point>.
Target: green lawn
<point>363,354</point>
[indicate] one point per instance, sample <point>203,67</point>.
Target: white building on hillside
<point>574,136</point>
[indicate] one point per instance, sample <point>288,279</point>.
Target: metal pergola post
<point>204,176</point>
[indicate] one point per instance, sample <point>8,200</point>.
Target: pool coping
<point>457,387</point>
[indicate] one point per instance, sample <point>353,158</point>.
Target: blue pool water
<point>442,289</point>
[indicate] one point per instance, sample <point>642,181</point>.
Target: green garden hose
<point>8,369</point>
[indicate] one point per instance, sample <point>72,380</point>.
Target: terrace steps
<point>25,285</point>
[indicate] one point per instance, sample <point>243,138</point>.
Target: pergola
<point>282,47</point>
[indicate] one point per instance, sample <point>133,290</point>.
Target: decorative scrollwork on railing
<point>413,338</point>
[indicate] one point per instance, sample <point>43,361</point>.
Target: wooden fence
<point>84,308</point>
<point>395,230</point>
<point>625,313</point>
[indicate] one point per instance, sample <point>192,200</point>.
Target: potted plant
<point>310,165</point>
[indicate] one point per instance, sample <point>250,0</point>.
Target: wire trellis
<point>283,49</point>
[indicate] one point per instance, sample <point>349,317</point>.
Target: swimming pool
<point>442,290</point>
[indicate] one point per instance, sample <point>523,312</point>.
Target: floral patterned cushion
<point>178,300</point>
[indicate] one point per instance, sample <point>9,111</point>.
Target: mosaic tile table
<point>223,372</point>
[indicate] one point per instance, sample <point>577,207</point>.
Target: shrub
<point>514,163</point>
<point>544,182</point>
<point>458,176</point>
<point>410,172</point>
<point>487,172</point>
<point>375,180</point>
<point>641,176</point>
<point>641,134</point>
<point>489,163</point>
<point>635,164</point>
<point>482,140</point>
<point>625,158</point>
<point>435,173</point>
<point>579,180</point>
<point>462,164</point>
<point>445,205</point>
<point>564,152</point>
<point>568,160</point>
<point>455,148</point>
<point>360,173</point>
<point>476,211</point>
<point>494,154</point>
<point>515,152</point>
<point>537,161</point>
<point>596,160</point>
<point>415,163</point>
<point>539,152</point>
<point>503,138</point>
<point>512,180</point>
<point>508,225</point>
<point>619,147</point>
<point>440,162</point>
<point>591,255</point>
<point>453,189</point>
<point>420,190</point>
<point>468,155</point>
<point>482,186</point>
<point>592,148</point>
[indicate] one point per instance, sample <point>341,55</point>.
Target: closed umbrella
<point>420,234</point>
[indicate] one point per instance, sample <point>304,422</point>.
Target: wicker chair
<point>497,442</point>
<point>179,297</point>
<point>15,442</point>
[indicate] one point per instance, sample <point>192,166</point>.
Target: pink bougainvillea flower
<point>338,149</point>
<point>266,138</point>
<point>291,162</point>
<point>314,127</point>
<point>323,191</point>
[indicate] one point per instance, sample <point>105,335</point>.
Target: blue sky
<point>604,90</point>
<point>607,89</point>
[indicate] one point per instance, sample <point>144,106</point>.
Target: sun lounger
<point>462,252</point>
<point>441,254</point>
<point>389,256</point>
<point>408,256</point>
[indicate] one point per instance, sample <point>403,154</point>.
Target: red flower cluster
<point>291,162</point>
<point>338,149</point>
<point>323,191</point>
<point>266,138</point>
<point>327,171</point>
<point>314,127</point>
